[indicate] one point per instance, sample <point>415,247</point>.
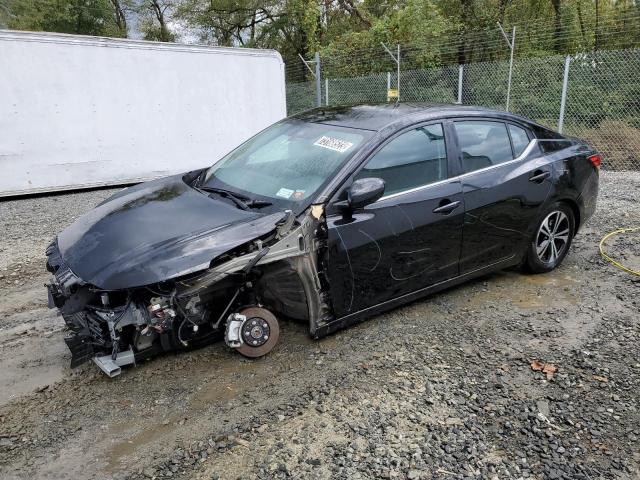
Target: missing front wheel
<point>253,331</point>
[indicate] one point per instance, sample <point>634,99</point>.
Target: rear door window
<point>482,143</point>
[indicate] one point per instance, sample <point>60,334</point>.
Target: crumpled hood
<point>156,231</point>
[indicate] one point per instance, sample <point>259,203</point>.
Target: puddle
<point>22,372</point>
<point>32,354</point>
<point>232,379</point>
<point>124,449</point>
<point>554,289</point>
<point>230,375</point>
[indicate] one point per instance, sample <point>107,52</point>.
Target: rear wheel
<point>551,240</point>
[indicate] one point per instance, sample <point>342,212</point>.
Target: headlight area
<point>122,328</point>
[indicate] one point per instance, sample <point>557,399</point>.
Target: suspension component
<point>253,331</point>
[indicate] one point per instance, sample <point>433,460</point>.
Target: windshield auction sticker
<point>334,144</point>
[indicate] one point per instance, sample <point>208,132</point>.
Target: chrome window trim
<point>415,189</point>
<point>522,156</point>
<point>525,153</point>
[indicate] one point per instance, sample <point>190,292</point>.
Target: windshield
<point>288,161</point>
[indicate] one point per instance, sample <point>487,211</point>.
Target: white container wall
<point>77,112</point>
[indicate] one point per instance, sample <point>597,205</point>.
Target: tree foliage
<point>87,17</point>
<point>348,33</point>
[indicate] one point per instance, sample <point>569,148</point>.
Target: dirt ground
<point>447,387</point>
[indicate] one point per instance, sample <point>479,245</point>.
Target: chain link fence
<point>601,101</point>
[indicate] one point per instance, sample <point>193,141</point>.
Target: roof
<point>377,116</point>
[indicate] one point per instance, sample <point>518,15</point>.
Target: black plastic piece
<point>81,348</point>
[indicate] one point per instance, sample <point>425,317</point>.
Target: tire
<point>558,223</point>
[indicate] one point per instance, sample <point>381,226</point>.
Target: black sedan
<point>327,217</point>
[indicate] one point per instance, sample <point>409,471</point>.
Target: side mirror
<point>362,192</point>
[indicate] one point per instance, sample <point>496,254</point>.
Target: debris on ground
<point>547,368</point>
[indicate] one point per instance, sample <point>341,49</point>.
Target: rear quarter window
<point>545,133</point>
<point>551,146</point>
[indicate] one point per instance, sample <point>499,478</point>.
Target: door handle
<point>446,208</point>
<point>539,176</point>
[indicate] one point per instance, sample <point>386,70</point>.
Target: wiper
<point>258,203</point>
<point>241,201</point>
<point>234,197</point>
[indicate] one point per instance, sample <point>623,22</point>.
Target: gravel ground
<point>509,376</point>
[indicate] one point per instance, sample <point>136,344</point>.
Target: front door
<point>407,240</point>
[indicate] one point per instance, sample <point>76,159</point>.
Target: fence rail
<point>594,96</point>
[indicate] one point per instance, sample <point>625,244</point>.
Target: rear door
<point>505,181</point>
<point>408,239</point>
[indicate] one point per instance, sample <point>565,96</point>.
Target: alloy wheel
<point>553,237</point>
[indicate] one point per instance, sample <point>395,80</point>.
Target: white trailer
<point>80,112</point>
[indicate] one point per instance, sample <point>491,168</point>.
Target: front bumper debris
<point>81,348</point>
<point>112,367</point>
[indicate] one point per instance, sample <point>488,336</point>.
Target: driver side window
<point>414,159</point>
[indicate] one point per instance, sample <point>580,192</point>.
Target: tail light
<point>596,161</point>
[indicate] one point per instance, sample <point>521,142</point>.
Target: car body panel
<point>156,231</point>
<point>393,246</point>
<point>501,205</point>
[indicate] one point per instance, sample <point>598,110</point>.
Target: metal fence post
<point>318,81</point>
<point>563,98</point>
<point>398,72</point>
<point>460,79</point>
<point>396,58</point>
<point>326,91</point>
<point>316,74</point>
<point>512,45</point>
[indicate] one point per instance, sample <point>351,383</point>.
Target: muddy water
<point>526,291</point>
<point>221,384</point>
<point>29,327</point>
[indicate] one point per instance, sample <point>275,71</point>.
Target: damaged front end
<point>117,328</point>
<point>238,296</point>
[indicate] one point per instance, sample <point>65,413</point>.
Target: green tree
<point>419,23</point>
<point>350,31</point>
<point>87,17</point>
<point>155,19</point>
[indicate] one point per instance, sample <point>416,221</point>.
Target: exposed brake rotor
<point>260,332</point>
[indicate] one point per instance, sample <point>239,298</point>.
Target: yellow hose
<point>611,260</point>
